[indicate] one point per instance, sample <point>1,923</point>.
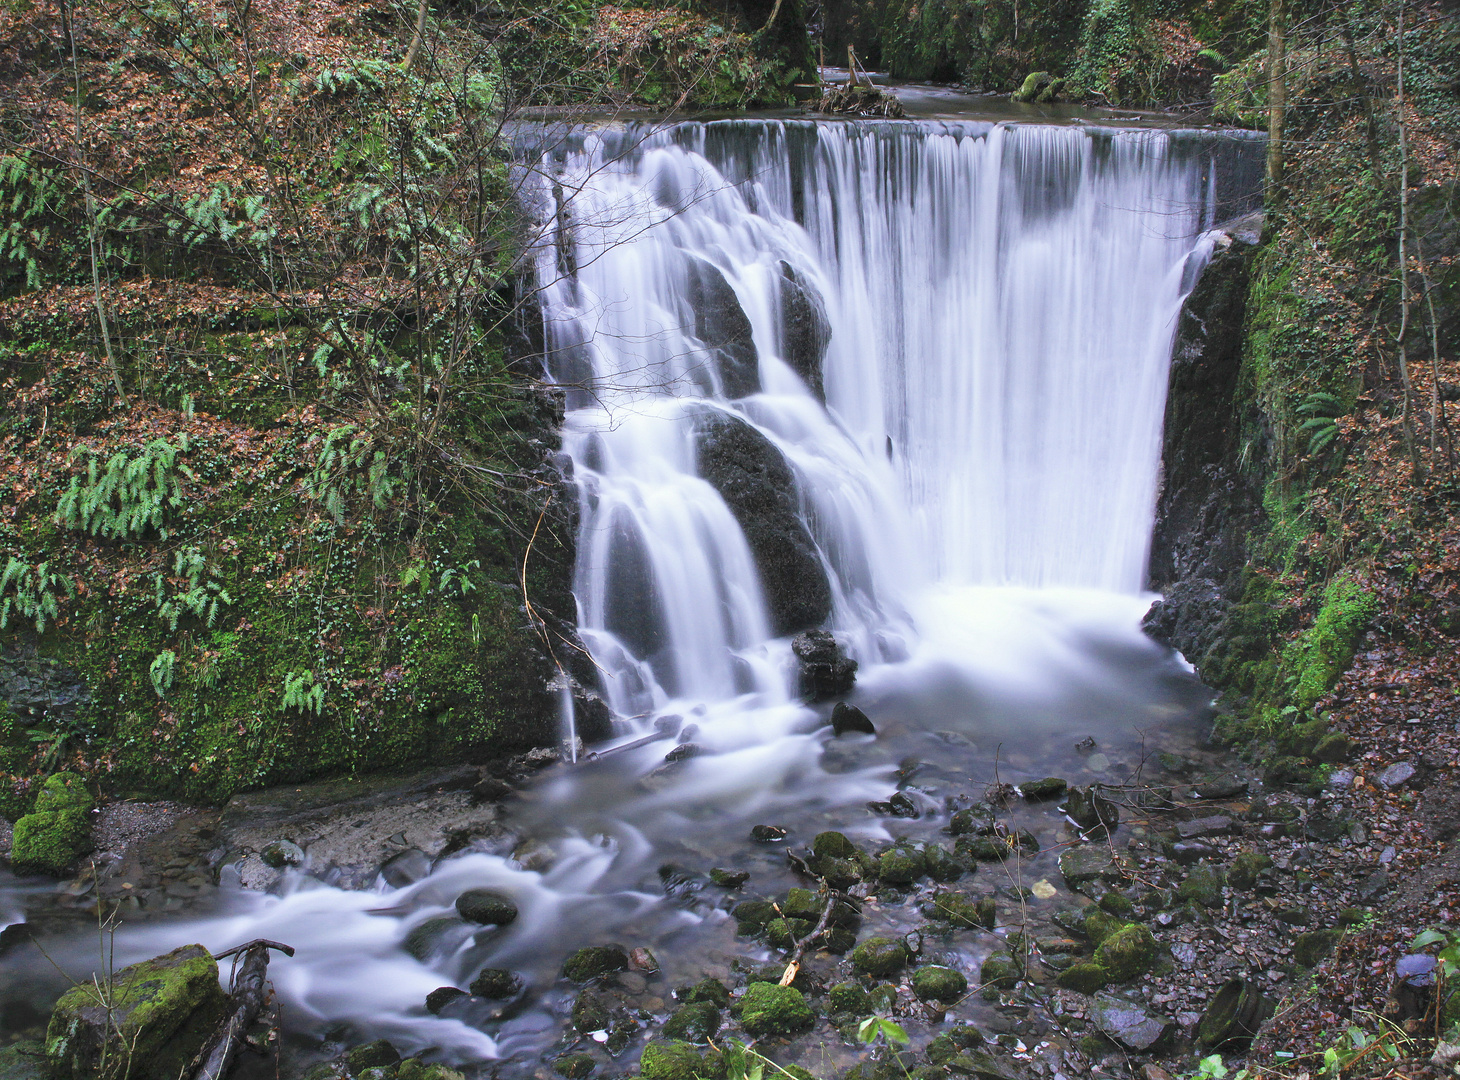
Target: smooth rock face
<point>161,1013</point>
<point>848,718</point>
<point>805,329</point>
<point>1131,1025</point>
<point>757,485</point>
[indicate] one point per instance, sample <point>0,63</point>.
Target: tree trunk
<point>1277,91</point>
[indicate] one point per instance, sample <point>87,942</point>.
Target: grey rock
<point>1223,787</point>
<point>805,329</point>
<point>1133,1026</point>
<point>1396,775</point>
<point>1216,825</point>
<point>848,718</point>
<point>282,853</point>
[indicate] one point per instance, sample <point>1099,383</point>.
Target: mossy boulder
<point>934,983</point>
<point>802,904</point>
<point>64,791</point>
<point>880,957</point>
<point>486,907</point>
<point>158,1015</point>
<point>696,1023</point>
<point>848,997</point>
<point>752,915</point>
<point>678,1061</point>
<point>1202,886</point>
<point>1242,874</point>
<point>1082,978</point>
<point>901,866</point>
<point>833,845</point>
<point>496,983</point>
<point>574,1066</point>
<point>1310,948</point>
<point>1051,787</point>
<point>379,1054</point>
<point>592,1011</point>
<point>50,841</point>
<point>942,864</point>
<point>964,911</point>
<point>973,821</point>
<point>1127,953</point>
<point>707,989</point>
<point>1333,749</point>
<point>1000,971</point>
<point>767,1009</point>
<point>595,960</point>
<point>1098,924</point>
<point>784,933</point>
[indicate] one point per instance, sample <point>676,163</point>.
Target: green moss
<point>697,1023</point>
<point>64,791</point>
<point>880,956</point>
<point>50,842</point>
<point>1328,648</point>
<point>767,1009</point>
<point>933,983</point>
<point>1203,885</point>
<point>1000,971</point>
<point>154,1016</point>
<point>677,1061</point>
<point>1127,953</point>
<point>1083,978</point>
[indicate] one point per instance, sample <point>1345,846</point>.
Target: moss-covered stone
<point>802,904</point>
<point>767,1009</point>
<point>973,821</point>
<point>379,1054</point>
<point>709,990</point>
<point>1098,924</point>
<point>496,983</point>
<point>964,911</point>
<point>728,879</point>
<point>934,983</point>
<point>942,864</point>
<point>595,960</point>
<point>1000,971</point>
<point>1116,904</point>
<point>429,938</point>
<point>901,866</point>
<point>784,933</point>
<point>672,1061</point>
<point>64,791</point>
<point>1203,885</point>
<point>1127,953</point>
<point>848,997</point>
<point>1243,871</point>
<point>574,1066</point>
<point>50,841</point>
<point>1082,978</point>
<point>880,957</point>
<point>592,1011</point>
<point>697,1022</point>
<point>833,845</point>
<point>486,907</point>
<point>752,915</point>
<point>154,1015</point>
<point>1051,787</point>
<point>1333,749</point>
<point>1310,948</point>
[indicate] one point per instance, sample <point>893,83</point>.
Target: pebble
<point>1395,775</point>
<point>1341,778</point>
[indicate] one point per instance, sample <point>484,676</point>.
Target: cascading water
<point>900,380</point>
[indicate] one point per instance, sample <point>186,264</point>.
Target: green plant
<point>350,467</point>
<point>32,592</point>
<point>302,693</point>
<point>129,496</point>
<point>874,1027</point>
<point>161,672</point>
<point>1322,411</point>
<point>746,1063</point>
<point>30,201</point>
<point>1212,1067</point>
<point>1390,1043</point>
<point>202,597</point>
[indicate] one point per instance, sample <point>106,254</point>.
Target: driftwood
<point>862,100</point>
<point>249,991</point>
<point>793,962</point>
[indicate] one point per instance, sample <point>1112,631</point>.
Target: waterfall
<point>955,335</point>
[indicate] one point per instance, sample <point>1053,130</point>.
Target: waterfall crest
<point>956,335</point>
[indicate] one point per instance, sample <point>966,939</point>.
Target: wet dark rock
<point>37,688</point>
<point>574,1066</point>
<point>406,868</point>
<point>592,1011</point>
<point>752,915</point>
<point>282,853</point>
<point>1051,787</point>
<point>595,960</point>
<point>826,670</point>
<point>486,907</point>
<point>489,789</point>
<point>682,752</point>
<point>1087,862</point>
<point>934,983</point>
<point>848,718</point>
<point>943,865</point>
<point>1374,884</point>
<point>722,325</point>
<point>729,879</point>
<point>768,834</point>
<point>1310,948</point>
<point>785,933</point>
<point>767,1009</point>
<point>982,1066</point>
<point>1223,787</point>
<point>901,866</point>
<point>1131,1025</point>
<point>838,873</point>
<point>982,848</point>
<point>496,983</point>
<point>1327,827</point>
<point>1244,870</point>
<point>805,329</point>
<point>1088,809</point>
<point>680,884</point>
<point>972,821</point>
<point>376,1055</point>
<point>441,997</point>
<point>902,805</point>
<point>802,904</point>
<point>1233,1014</point>
<point>759,488</point>
<point>1217,825</point>
<point>1333,749</point>
<point>848,997</point>
<point>696,1022</point>
<point>429,938</point>
<point>880,957</point>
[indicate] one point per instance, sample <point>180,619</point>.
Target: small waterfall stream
<point>903,381</point>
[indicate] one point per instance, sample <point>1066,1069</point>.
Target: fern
<point>161,672</point>
<point>350,469</point>
<point>302,693</point>
<point>1322,410</point>
<point>30,198</point>
<point>128,496</point>
<point>203,596</point>
<point>32,592</point>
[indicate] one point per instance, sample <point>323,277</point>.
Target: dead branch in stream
<point>249,990</point>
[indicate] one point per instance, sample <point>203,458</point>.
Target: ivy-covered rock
<point>935,983</point>
<point>154,1015</point>
<point>880,957</point>
<point>767,1009</point>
